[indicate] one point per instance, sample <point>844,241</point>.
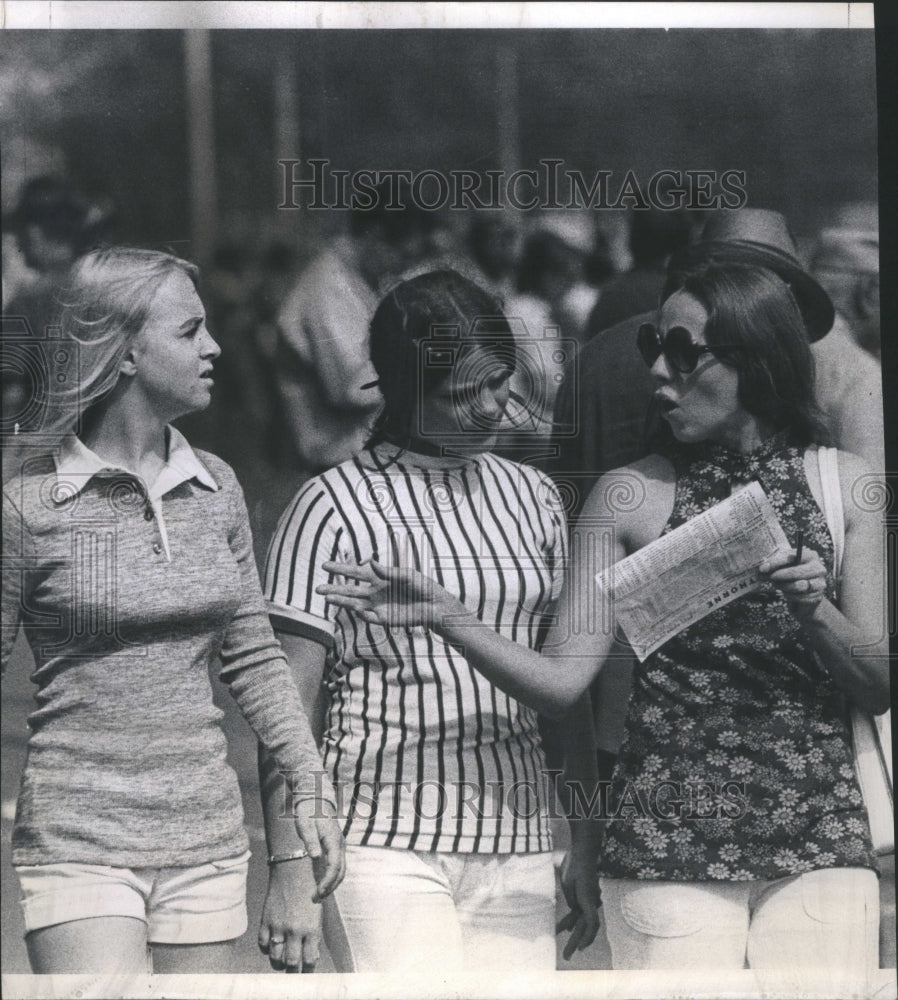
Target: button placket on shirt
<point>152,521</point>
<point>145,507</point>
<point>149,515</point>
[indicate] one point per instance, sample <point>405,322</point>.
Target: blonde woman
<point>128,562</point>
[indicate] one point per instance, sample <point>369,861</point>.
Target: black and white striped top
<point>425,753</point>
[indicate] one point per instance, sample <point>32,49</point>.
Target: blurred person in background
<point>53,225</point>
<point>547,314</point>
<point>494,246</point>
<point>547,270</point>
<point>277,270</point>
<point>327,385</point>
<point>654,235</point>
<point>845,260</point>
<point>563,275</point>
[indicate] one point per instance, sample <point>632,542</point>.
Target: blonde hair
<point>105,305</point>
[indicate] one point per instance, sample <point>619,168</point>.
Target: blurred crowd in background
<point>292,384</point>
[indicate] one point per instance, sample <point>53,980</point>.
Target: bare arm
<point>851,639</point>
<point>579,786</point>
<point>577,643</point>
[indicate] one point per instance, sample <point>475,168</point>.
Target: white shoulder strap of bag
<point>831,492</point>
<point>872,734</point>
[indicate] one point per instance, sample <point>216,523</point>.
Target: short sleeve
<point>309,533</point>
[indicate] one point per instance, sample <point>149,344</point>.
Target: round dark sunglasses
<point>678,347</point>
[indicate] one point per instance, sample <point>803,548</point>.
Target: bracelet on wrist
<point>274,859</point>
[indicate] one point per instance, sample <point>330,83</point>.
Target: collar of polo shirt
<point>76,465</point>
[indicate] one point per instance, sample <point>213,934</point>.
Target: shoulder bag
<point>871,734</point>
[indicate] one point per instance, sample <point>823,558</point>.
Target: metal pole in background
<point>507,108</point>
<point>286,131</point>
<point>200,143</point>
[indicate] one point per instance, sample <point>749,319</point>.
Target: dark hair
<point>546,254</point>
<point>754,309</point>
<point>419,332</point>
<point>64,215</point>
<point>656,233</point>
<point>393,212</point>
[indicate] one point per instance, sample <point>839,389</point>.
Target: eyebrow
<point>187,324</point>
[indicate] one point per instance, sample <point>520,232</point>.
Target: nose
<point>210,349</point>
<point>661,370</point>
<point>494,399</point>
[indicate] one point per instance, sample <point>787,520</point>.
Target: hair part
<point>420,331</point>
<point>755,310</point>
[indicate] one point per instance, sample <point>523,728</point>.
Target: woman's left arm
<point>578,792</point>
<point>255,669</point>
<point>851,639</point>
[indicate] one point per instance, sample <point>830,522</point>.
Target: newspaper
<point>700,566</point>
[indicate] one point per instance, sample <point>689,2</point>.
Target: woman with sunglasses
<point>441,776</point>
<point>735,830</point>
<point>128,562</point>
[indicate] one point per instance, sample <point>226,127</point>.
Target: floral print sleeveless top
<point>737,762</point>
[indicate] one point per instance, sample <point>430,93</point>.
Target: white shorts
<point>198,905</point>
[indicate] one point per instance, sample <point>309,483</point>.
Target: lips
<point>664,403</point>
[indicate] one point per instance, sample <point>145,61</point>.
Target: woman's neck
<point>122,435</point>
<point>745,435</point>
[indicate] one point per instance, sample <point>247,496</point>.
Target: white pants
<point>414,911</point>
<point>826,919</point>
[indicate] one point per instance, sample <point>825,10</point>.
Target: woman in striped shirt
<point>440,776</point>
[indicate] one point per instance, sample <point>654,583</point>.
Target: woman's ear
<point>129,363</point>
